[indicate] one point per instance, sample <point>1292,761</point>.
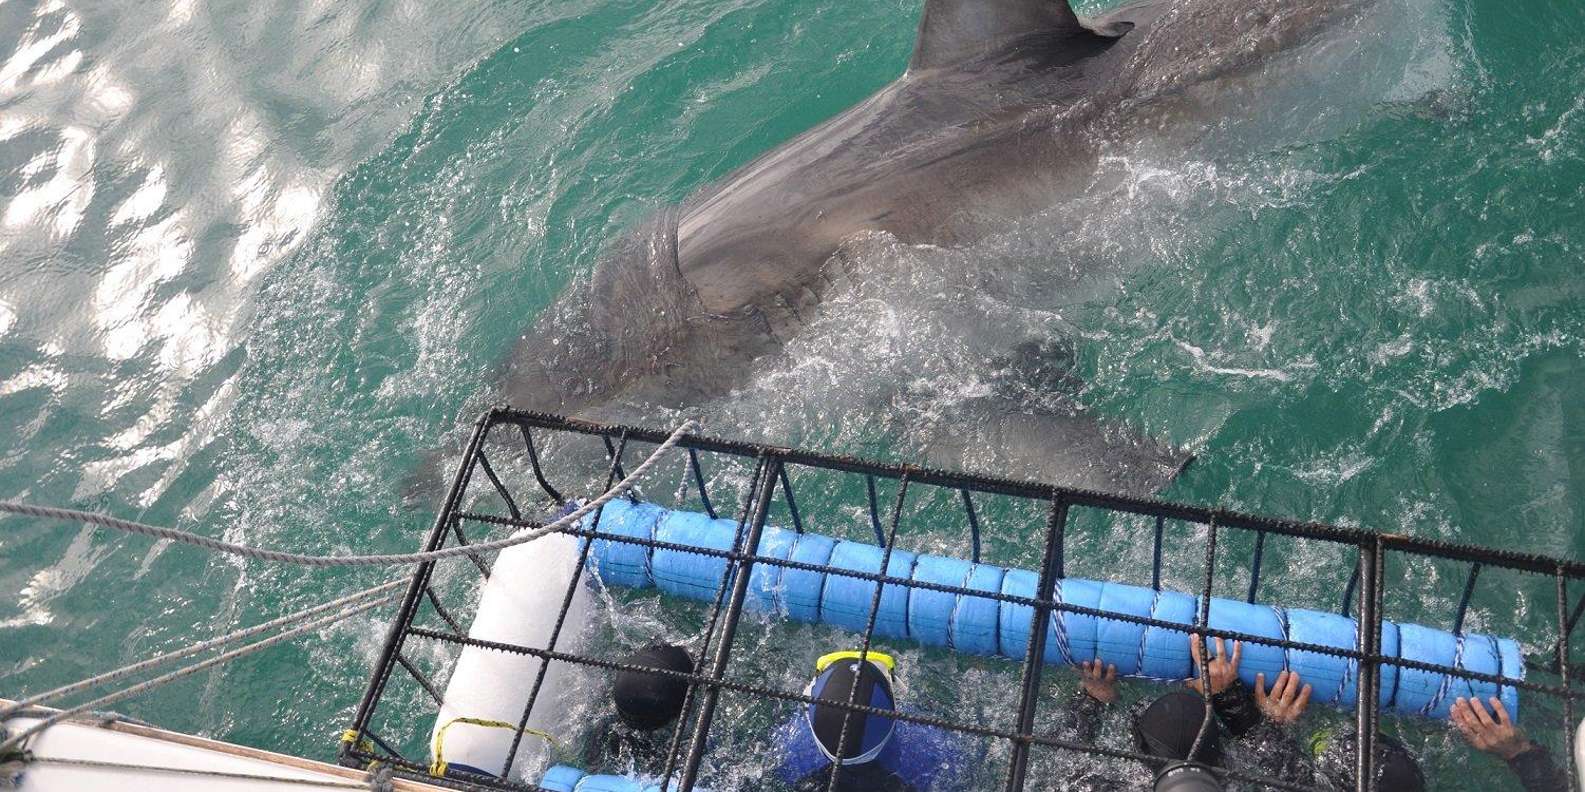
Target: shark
<point>1004,109</point>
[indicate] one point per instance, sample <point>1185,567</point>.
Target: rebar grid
<point>771,465</point>
<point>1064,607</point>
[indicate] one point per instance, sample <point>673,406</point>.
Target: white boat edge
<point>120,742</point>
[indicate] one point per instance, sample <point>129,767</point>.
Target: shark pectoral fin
<point>955,31</point>
<point>1114,28</point>
<point>1072,449</point>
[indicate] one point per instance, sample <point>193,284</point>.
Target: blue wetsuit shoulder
<point>920,757</point>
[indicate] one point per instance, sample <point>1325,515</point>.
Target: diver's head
<point>1168,727</point>
<point>841,677</point>
<point>1396,768</point>
<point>649,701</point>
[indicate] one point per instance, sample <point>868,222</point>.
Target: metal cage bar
<point>1209,632</point>
<point>1463,601</point>
<point>445,615</point>
<point>723,652</point>
<point>787,492</point>
<point>974,526</point>
<point>401,625</point>
<point>1367,704</point>
<point>698,480</point>
<point>875,517</point>
<point>500,488</point>
<point>421,678</point>
<point>1574,617</point>
<point>761,471</point>
<point>710,673</point>
<point>1155,553</point>
<point>533,460</point>
<point>1034,663</point>
<point>462,539</point>
<point>1202,620</point>
<point>1570,726</point>
<point>1255,564</point>
<point>869,628</point>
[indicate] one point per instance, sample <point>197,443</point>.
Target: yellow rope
<point>350,736</point>
<point>438,767</point>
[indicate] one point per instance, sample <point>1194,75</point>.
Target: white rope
<point>388,590</point>
<point>388,559</point>
<point>126,671</point>
<point>16,741</point>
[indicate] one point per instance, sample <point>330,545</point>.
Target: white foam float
<point>489,689</point>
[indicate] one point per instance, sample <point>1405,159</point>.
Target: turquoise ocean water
<point>258,260</point>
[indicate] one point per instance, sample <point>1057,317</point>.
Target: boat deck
<point>77,756</point>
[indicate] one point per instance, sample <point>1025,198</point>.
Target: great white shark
<point>1002,111</point>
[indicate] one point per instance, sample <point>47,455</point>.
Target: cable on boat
<point>142,665</point>
<point>15,741</point>
<point>384,559</point>
<point>359,602</point>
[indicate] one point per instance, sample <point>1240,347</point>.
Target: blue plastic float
<point>563,778</point>
<point>987,627</point>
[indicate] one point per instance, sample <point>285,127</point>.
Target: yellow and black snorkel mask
<point>863,678</point>
<point>882,661</point>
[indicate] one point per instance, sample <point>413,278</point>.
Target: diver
<point>1266,719</point>
<point>1185,739</point>
<point>876,753</point>
<point>1262,720</point>
<point>1174,729</point>
<point>632,737</point>
<point>1495,733</point>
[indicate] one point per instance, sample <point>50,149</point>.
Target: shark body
<point>1003,110</point>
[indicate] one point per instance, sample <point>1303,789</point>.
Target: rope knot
<point>12,761</point>
<point>380,775</point>
<point>12,765</point>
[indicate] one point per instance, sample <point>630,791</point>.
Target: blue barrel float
<point>988,627</point>
<point>565,778</point>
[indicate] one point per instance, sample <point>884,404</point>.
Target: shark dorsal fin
<point>953,31</point>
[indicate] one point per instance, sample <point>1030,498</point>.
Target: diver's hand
<point>1099,681</point>
<point>1286,701</point>
<point>1497,736</point>
<point>1222,671</point>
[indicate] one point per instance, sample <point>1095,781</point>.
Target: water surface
<point>260,259</point>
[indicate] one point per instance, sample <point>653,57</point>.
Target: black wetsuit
<point>1537,772</point>
<point>1277,752</point>
<point>1273,748</point>
<point>1084,714</point>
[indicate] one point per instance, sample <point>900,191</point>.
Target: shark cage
<point>959,569</point>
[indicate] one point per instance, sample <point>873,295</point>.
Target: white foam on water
<point>1201,362</point>
<point>1562,137</point>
